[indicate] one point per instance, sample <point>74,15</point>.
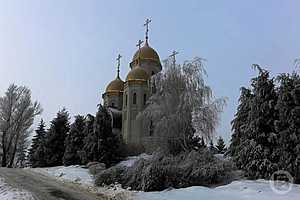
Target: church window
<point>113,104</point>
<point>126,100</point>
<point>151,128</point>
<point>134,98</point>
<point>145,99</point>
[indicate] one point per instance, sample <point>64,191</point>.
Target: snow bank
<point>9,193</point>
<point>75,174</point>
<point>238,190</point>
<point>132,159</point>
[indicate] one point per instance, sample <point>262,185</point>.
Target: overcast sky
<point>65,50</point>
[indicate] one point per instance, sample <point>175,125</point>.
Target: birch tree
<point>17,112</point>
<point>183,106</point>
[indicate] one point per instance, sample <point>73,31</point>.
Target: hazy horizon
<point>65,51</point>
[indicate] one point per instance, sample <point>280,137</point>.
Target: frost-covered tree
<point>55,139</point>
<point>17,113</point>
<point>182,107</point>
<point>221,145</point>
<point>37,140</point>
<point>288,124</point>
<point>74,142</point>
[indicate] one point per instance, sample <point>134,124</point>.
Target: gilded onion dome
<point>116,85</point>
<point>146,53</point>
<point>137,73</point>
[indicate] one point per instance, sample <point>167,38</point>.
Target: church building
<point>126,99</point>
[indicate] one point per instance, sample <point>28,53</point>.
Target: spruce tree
<point>55,140</point>
<point>239,124</point>
<point>35,157</point>
<point>256,153</point>
<point>108,142</point>
<point>288,124</point>
<point>74,142</point>
<point>221,145</point>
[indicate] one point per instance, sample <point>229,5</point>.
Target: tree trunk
<point>13,155</point>
<point>3,164</point>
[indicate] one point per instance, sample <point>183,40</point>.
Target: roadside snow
<point>75,174</point>
<point>9,193</point>
<point>238,190</point>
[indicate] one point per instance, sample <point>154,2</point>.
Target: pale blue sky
<point>65,50</point>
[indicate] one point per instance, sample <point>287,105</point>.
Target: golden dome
<point>116,85</point>
<point>146,52</point>
<point>137,73</point>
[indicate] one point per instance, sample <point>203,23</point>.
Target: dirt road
<point>45,188</point>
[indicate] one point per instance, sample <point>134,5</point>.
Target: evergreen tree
<point>202,143</point>
<point>55,140</point>
<point>256,137</point>
<point>90,150</point>
<point>212,147</point>
<point>74,142</point>
<point>288,105</point>
<point>108,142</point>
<point>33,156</point>
<point>240,123</point>
<point>221,145</point>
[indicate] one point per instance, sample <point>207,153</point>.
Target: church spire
<point>147,22</point>
<point>118,66</point>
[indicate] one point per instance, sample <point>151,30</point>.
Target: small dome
<point>116,85</point>
<point>146,52</point>
<point>137,73</point>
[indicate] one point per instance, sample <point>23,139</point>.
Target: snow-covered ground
<point>79,175</point>
<point>9,193</point>
<point>74,174</point>
<point>238,190</point>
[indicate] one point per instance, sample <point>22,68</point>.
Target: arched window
<point>126,99</point>
<point>113,104</point>
<point>145,99</point>
<point>134,98</point>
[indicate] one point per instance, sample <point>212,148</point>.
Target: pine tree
<point>74,142</point>
<point>35,157</point>
<point>54,146</point>
<point>288,124</point>
<point>108,142</point>
<point>221,145</point>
